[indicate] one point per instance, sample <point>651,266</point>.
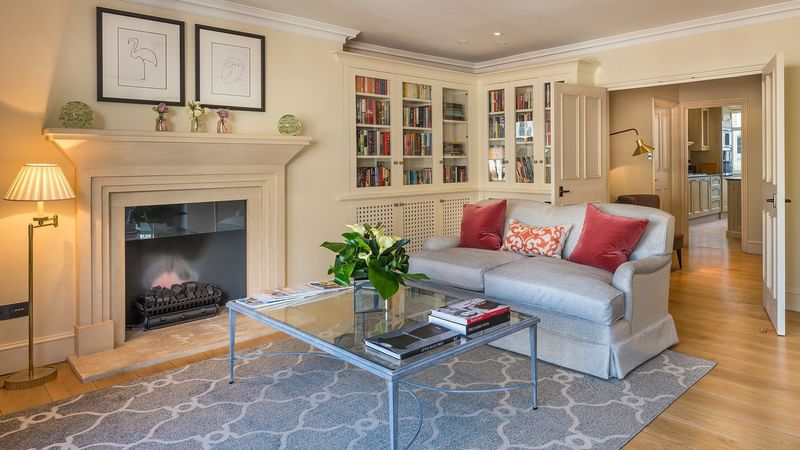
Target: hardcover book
<point>411,340</point>
<point>468,312</point>
<point>472,328</point>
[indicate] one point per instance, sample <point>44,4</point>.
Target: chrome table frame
<point>393,377</point>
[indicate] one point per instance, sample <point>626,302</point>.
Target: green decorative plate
<point>76,115</point>
<point>288,125</point>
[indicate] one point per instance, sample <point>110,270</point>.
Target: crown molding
<point>735,19</point>
<point>235,12</point>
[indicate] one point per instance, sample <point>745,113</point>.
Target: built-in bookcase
<point>526,106</point>
<point>408,134</point>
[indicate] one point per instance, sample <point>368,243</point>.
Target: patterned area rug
<point>302,402</point>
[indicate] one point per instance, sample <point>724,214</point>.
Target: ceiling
<point>435,27</point>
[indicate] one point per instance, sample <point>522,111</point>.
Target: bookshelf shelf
<point>368,125</point>
<point>455,122</point>
<point>364,94</point>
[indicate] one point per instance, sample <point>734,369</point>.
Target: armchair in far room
<point>654,201</point>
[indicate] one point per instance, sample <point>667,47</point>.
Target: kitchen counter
<point>702,175</point>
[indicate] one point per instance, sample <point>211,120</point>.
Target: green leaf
<point>335,247</point>
<point>415,276</point>
<point>384,282</point>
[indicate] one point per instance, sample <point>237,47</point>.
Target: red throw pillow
<point>482,225</point>
<point>607,241</point>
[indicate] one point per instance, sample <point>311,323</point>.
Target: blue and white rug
<point>311,402</point>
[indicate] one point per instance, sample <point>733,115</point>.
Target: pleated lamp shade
<point>40,182</point>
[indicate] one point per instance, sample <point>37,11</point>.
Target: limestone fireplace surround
<point>115,169</point>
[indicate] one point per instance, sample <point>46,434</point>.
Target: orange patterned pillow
<point>532,241</point>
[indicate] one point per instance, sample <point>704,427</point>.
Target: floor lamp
<point>36,183</point>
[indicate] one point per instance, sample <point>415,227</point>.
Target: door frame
<point>748,245</point>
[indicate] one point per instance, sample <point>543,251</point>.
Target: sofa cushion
<point>532,241</point>
<point>560,286</point>
<point>606,240</point>
<point>482,225</point>
<point>459,267</point>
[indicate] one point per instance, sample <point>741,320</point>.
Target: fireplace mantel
<point>120,148</point>
<point>116,168</point>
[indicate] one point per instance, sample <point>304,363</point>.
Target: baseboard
<point>46,350</point>
<point>793,299</point>
<point>753,247</point>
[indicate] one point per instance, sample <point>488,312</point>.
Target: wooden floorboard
<point>750,400</point>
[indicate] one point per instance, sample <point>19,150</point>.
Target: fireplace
<point>177,256</point>
<point>119,170</point>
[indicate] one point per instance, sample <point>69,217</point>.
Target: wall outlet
<point>13,310</point>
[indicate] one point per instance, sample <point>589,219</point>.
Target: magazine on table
<point>469,312</point>
<point>472,328</point>
<point>411,340</point>
<point>279,295</point>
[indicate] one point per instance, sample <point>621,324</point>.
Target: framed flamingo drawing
<point>140,59</point>
<point>229,68</point>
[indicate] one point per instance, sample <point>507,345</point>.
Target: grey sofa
<point>601,323</point>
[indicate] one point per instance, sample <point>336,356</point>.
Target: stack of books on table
<point>411,340</point>
<point>469,316</point>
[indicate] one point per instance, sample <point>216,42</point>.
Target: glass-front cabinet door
<point>455,151</point>
<point>496,133</point>
<point>548,132</point>
<point>523,134</point>
<point>373,128</point>
<point>417,159</point>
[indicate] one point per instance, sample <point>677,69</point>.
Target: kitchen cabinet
<point>705,195</point>
<point>698,130</point>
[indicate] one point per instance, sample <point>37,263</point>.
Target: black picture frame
<point>169,86</point>
<point>205,73</point>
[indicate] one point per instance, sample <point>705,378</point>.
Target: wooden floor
<point>750,400</point>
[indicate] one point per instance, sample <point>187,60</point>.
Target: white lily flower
<point>385,242</point>
<point>364,255</point>
<point>358,228</point>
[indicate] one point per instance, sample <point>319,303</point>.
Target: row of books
<point>497,152</point>
<point>421,176</point>
<point>368,85</point>
<point>548,133</point>
<point>445,325</point>
<point>275,296</point>
<point>373,142</point>
<point>453,111</point>
<point>455,174</point>
<point>370,111</point>
<point>379,175</point>
<point>497,127</point>
<point>417,143</point>
<point>417,91</point>
<point>547,96</point>
<point>497,101</point>
<point>524,168</point>
<point>524,99</point>
<point>454,149</point>
<point>417,116</point>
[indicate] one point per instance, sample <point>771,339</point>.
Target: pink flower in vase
<point>224,113</point>
<point>161,108</point>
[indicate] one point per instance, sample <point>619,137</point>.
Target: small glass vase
<point>223,126</point>
<point>161,123</point>
<point>195,125</point>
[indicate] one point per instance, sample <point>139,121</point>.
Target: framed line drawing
<point>229,69</point>
<point>140,59</point>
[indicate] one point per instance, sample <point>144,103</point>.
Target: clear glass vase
<point>161,123</point>
<point>223,127</point>
<point>195,125</point>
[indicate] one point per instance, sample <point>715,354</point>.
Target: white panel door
<point>773,191</point>
<point>580,142</point>
<point>662,156</point>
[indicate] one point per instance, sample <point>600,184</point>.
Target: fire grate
<point>183,302</point>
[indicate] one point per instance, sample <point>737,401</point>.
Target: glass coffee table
<point>337,323</point>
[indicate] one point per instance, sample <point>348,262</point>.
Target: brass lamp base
<point>24,380</point>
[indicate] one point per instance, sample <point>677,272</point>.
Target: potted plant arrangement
<point>368,253</point>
